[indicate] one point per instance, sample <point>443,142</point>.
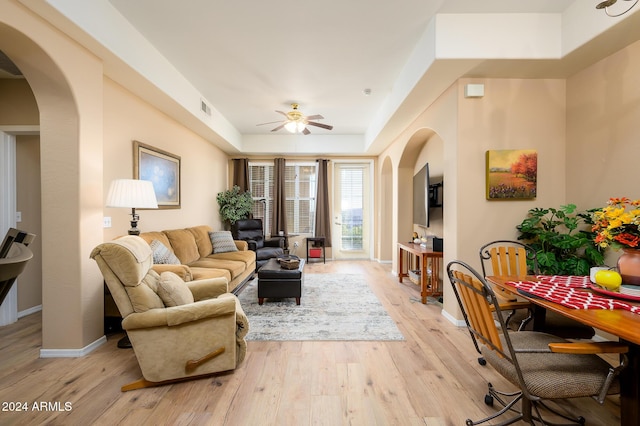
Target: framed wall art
<point>512,174</point>
<point>162,169</point>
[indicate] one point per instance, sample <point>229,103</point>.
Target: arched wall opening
<point>65,79</point>
<point>412,158</point>
<point>423,146</point>
<point>386,211</point>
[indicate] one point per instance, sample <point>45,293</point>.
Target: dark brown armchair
<point>252,231</point>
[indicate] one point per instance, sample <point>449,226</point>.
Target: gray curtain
<point>323,211</point>
<point>279,219</point>
<point>241,173</point>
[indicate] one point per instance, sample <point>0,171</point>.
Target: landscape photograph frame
<point>162,168</point>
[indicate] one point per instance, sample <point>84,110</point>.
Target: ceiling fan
<point>608,3</point>
<point>297,122</point>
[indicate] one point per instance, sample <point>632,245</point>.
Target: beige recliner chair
<point>178,330</point>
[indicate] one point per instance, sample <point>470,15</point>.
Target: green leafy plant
<point>562,239</point>
<point>234,204</point>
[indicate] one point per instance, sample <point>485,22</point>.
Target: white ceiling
<point>248,59</point>
<point>251,58</point>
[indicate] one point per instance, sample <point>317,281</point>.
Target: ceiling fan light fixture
<point>295,126</point>
<point>296,122</point>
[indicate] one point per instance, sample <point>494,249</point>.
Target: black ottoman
<point>277,282</point>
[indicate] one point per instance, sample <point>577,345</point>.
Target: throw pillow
<point>162,254</point>
<point>173,291</point>
<point>222,241</point>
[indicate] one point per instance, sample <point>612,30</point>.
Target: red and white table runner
<point>565,290</point>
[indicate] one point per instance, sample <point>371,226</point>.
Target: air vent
<point>204,107</point>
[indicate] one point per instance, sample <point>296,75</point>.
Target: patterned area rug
<point>332,307</point>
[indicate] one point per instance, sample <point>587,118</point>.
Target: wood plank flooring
<point>432,378</point>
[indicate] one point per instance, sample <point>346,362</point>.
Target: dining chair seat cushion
<point>552,376</point>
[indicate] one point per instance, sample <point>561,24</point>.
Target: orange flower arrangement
<point>618,224</point>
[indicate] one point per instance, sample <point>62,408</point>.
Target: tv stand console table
<point>422,255</point>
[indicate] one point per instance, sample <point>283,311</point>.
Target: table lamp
<point>132,193</point>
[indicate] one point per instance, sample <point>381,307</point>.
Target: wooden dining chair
<point>513,258</point>
<point>544,367</point>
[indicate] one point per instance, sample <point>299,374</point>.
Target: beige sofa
<point>193,247</point>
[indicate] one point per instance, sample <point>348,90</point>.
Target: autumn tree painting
<point>512,174</point>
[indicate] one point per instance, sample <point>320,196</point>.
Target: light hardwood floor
<point>431,378</point>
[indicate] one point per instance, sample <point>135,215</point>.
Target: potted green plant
<point>563,240</point>
<point>234,204</point>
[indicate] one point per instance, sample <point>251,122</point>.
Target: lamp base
<point>134,223</point>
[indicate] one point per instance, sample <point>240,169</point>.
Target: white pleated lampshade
<point>132,193</point>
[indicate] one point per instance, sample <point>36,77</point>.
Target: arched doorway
<point>71,170</point>
<point>386,212</point>
<point>415,154</point>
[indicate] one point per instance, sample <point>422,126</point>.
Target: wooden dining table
<point>619,322</point>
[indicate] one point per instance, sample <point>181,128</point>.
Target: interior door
<point>352,207</point>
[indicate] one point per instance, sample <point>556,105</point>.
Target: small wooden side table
<point>317,242</point>
<point>423,255</point>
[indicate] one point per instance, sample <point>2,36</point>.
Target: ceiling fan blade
<point>606,3</point>
<point>278,128</point>
<point>270,122</point>
<point>321,125</point>
<point>315,117</point>
<point>305,131</point>
<point>283,113</point>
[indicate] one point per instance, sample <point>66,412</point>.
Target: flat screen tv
<point>421,197</point>
<point>427,196</point>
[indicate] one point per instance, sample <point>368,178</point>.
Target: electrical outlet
<point>296,244</point>
<point>106,222</point>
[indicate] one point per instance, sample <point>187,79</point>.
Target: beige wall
<point>513,114</point>
<point>17,104</point>
<point>203,166</point>
<point>397,164</point>
<point>18,108</point>
<point>87,125</point>
<point>603,142</point>
<point>28,204</point>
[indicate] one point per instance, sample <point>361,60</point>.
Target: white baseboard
<point>72,353</point>
<point>29,311</point>
<point>453,320</point>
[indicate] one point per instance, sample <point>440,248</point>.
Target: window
<point>300,192</point>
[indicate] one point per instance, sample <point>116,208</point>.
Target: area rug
<point>332,307</point>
